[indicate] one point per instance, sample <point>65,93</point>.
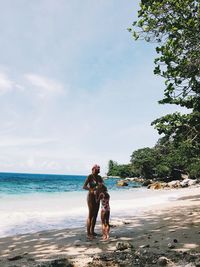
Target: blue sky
<point>75,88</point>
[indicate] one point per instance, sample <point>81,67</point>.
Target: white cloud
<point>5,83</point>
<point>10,141</point>
<point>44,85</point>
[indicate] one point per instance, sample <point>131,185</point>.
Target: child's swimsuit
<point>105,203</point>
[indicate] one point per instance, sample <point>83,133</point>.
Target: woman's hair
<point>95,167</point>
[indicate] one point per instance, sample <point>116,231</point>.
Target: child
<point>103,196</point>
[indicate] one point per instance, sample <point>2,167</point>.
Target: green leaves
<point>135,35</point>
<point>144,160</point>
<point>175,26</point>
<point>124,170</point>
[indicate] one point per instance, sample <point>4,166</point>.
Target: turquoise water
<point>37,202</point>
<point>21,183</point>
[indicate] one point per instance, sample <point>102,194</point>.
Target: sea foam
<point>44,211</point>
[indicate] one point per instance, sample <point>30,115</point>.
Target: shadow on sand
<point>152,232</point>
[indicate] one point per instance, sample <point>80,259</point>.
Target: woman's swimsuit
<point>93,183</point>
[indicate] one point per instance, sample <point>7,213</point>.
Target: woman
<point>91,184</point>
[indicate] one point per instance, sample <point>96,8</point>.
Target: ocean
<point>23,183</point>
<point>37,202</point>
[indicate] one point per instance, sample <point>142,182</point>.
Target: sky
<point>75,88</point>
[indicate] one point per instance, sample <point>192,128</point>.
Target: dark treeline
<point>173,25</point>
<point>162,161</point>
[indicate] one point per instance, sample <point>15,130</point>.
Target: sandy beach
<point>166,234</point>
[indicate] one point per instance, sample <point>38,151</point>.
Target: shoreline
<point>148,233</point>
<point>32,213</point>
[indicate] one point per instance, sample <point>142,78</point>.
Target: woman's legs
<point>93,208</point>
<point>94,217</point>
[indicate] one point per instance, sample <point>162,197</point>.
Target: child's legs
<point>107,224</point>
<point>107,230</point>
<point>102,221</point>
<point>105,215</point>
<point>103,230</point>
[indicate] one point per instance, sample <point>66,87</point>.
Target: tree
<point>175,26</point>
<point>121,170</point>
<point>144,160</point>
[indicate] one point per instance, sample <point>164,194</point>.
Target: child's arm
<point>101,195</point>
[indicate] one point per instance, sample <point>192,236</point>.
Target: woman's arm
<point>85,186</point>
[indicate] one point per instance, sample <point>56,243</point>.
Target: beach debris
<point>135,179</point>
<point>77,243</point>
<point>169,185</point>
<point>126,222</point>
<point>156,185</point>
<point>185,235</point>
<point>174,184</point>
<point>147,182</point>
<point>15,258</point>
<point>184,176</point>
<point>123,245</point>
<point>113,225</point>
<point>197,263</point>
<point>102,257</point>
<point>188,182</point>
<point>62,262</point>
<point>144,251</point>
<point>113,259</point>
<point>170,245</point>
<point>175,240</point>
<point>163,261</point>
<point>145,246</point>
<point>122,183</point>
<point>189,265</point>
<point>30,259</point>
<point>192,182</point>
<point>144,258</point>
